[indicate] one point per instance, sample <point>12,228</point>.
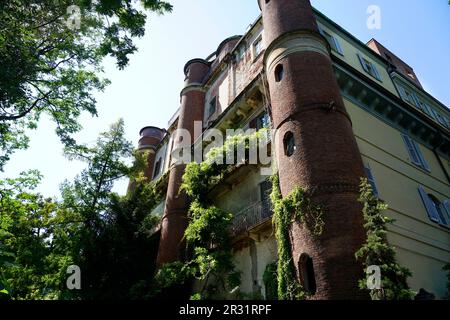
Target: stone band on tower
<point>315,145</point>
<point>174,221</point>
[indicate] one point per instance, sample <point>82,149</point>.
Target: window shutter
<point>411,150</point>
<point>429,206</point>
<point>338,46</point>
<point>423,162</point>
<point>375,69</point>
<point>402,92</point>
<point>320,30</point>
<point>446,205</point>
<point>363,64</point>
<point>371,179</point>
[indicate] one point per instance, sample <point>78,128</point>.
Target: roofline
<point>375,40</point>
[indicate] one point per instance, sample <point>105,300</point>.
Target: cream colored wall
<point>422,246</point>
<point>242,195</point>
<point>266,252</point>
<point>160,154</point>
<point>350,56</point>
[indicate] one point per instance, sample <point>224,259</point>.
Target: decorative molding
<point>328,188</point>
<point>196,86</point>
<point>298,41</point>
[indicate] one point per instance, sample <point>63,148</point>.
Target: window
<point>240,54</point>
<point>435,209</point>
<point>279,73</point>
<point>446,205</point>
<point>289,144</point>
<point>371,180</point>
<point>369,67</point>
<point>306,272</point>
<point>415,154</point>
<point>333,41</point>
<point>260,122</point>
<point>409,96</point>
<point>212,107</point>
<point>265,188</point>
<point>157,168</point>
<point>257,47</point>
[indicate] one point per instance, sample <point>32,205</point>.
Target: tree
<point>110,237</point>
<point>34,259</point>
<point>116,245</point>
<point>51,53</point>
<point>377,251</point>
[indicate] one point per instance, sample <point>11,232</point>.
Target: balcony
<point>251,217</point>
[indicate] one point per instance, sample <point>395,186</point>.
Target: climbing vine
<point>208,233</point>
<point>447,268</point>
<point>295,207</point>
<point>376,250</point>
<point>270,281</point>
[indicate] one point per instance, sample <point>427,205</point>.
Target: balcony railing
<point>251,217</point>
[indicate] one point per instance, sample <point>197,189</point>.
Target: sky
<point>147,91</point>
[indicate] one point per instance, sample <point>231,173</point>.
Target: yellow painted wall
<point>422,245</point>
<point>350,56</point>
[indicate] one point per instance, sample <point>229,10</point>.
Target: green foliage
<point>108,236</point>
<point>32,253</point>
<point>52,69</point>
<point>447,268</point>
<point>115,245</point>
<point>288,286</point>
<point>377,251</point>
<point>207,234</point>
<point>271,281</point>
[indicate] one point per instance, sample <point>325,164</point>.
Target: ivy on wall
<point>376,250</point>
<point>447,268</point>
<point>271,281</point>
<point>297,206</point>
<point>208,233</point>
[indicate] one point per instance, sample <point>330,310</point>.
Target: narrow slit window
<point>289,144</point>
<point>307,274</point>
<point>279,73</point>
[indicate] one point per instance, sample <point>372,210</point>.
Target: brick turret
<point>174,221</point>
<point>315,147</point>
<point>150,138</point>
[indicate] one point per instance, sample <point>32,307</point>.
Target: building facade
<point>343,109</point>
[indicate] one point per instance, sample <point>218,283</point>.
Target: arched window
<point>289,144</point>
<point>307,275</point>
<point>279,73</point>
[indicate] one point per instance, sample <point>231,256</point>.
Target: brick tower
<point>174,221</point>
<point>315,147</point>
<point>150,138</point>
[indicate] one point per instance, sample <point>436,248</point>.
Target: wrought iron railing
<point>251,216</point>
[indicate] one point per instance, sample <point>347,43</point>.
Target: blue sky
<point>147,91</point>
